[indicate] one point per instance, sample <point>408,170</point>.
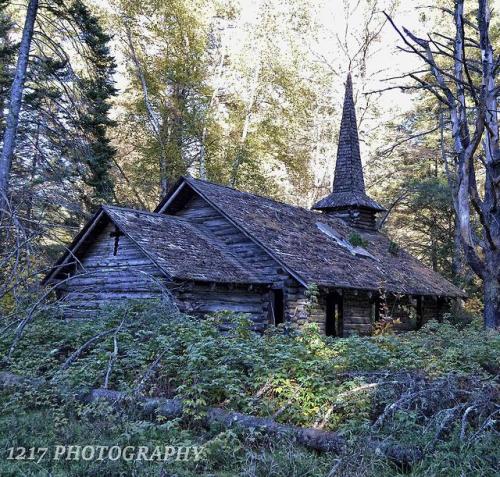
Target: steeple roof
<point>348,185</point>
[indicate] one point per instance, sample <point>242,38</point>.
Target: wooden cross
<point>116,234</point>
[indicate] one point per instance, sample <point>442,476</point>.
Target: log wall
<point>104,279</point>
<point>199,211</point>
<point>358,313</point>
<point>203,298</point>
<point>434,308</point>
<point>359,310</point>
<point>356,310</point>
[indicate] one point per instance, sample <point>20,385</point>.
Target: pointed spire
<point>348,168</point>
<point>348,192</point>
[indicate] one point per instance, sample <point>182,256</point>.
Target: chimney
<point>348,199</point>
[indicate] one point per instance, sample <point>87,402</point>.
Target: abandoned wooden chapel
<point>215,248</point>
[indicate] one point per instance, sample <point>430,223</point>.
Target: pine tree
<point>7,58</point>
<point>96,89</point>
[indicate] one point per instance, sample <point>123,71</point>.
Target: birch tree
<point>153,117</point>
<point>9,138</point>
<point>461,74</point>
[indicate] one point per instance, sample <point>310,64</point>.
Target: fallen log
<point>316,439</point>
<point>404,457</point>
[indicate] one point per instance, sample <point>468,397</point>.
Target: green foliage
<point>393,248</point>
<point>205,366</point>
<point>97,89</point>
<point>440,348</point>
<point>302,378</point>
<point>356,240</point>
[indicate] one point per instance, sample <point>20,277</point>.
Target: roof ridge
<point>131,209</point>
<point>250,193</point>
<point>145,212</point>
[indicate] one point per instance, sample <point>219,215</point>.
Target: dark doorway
<point>376,305</point>
<point>334,325</point>
<point>420,312</point>
<point>278,306</point>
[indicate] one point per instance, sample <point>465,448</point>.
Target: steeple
<point>348,198</point>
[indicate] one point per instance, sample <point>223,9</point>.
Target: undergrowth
<point>302,378</point>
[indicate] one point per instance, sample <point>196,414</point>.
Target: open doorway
<point>277,306</point>
<point>334,324</point>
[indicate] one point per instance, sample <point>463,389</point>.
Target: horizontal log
<point>113,288</point>
<point>231,296</point>
<point>357,320</point>
<point>104,279</point>
<point>214,307</point>
<point>174,408</point>
<point>102,296</point>
<point>116,261</point>
<point>202,214</point>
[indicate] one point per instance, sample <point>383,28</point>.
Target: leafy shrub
<point>303,378</point>
<point>356,240</point>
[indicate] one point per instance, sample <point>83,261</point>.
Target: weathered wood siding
<point>434,308</point>
<point>357,312</point>
<point>211,221</point>
<point>203,298</point>
<point>104,278</point>
<point>362,218</point>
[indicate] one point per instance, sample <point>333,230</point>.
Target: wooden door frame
<point>334,327</point>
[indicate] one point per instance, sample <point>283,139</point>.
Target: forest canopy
<point>111,102</point>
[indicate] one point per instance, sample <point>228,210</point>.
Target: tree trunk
<point>153,120</point>
<point>481,253</point>
<point>9,138</point>
<point>456,261</point>
<point>491,284</point>
<point>317,439</point>
<point>241,152</point>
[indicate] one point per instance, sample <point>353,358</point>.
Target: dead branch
<point>149,372</point>
<point>113,356</point>
<point>84,347</point>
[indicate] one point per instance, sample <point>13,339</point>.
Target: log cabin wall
<point>199,211</point>
<point>357,309</point>
<point>202,298</point>
<point>434,308</point>
<point>360,219</point>
<point>295,303</point>
<point>104,278</point>
<point>357,312</point>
